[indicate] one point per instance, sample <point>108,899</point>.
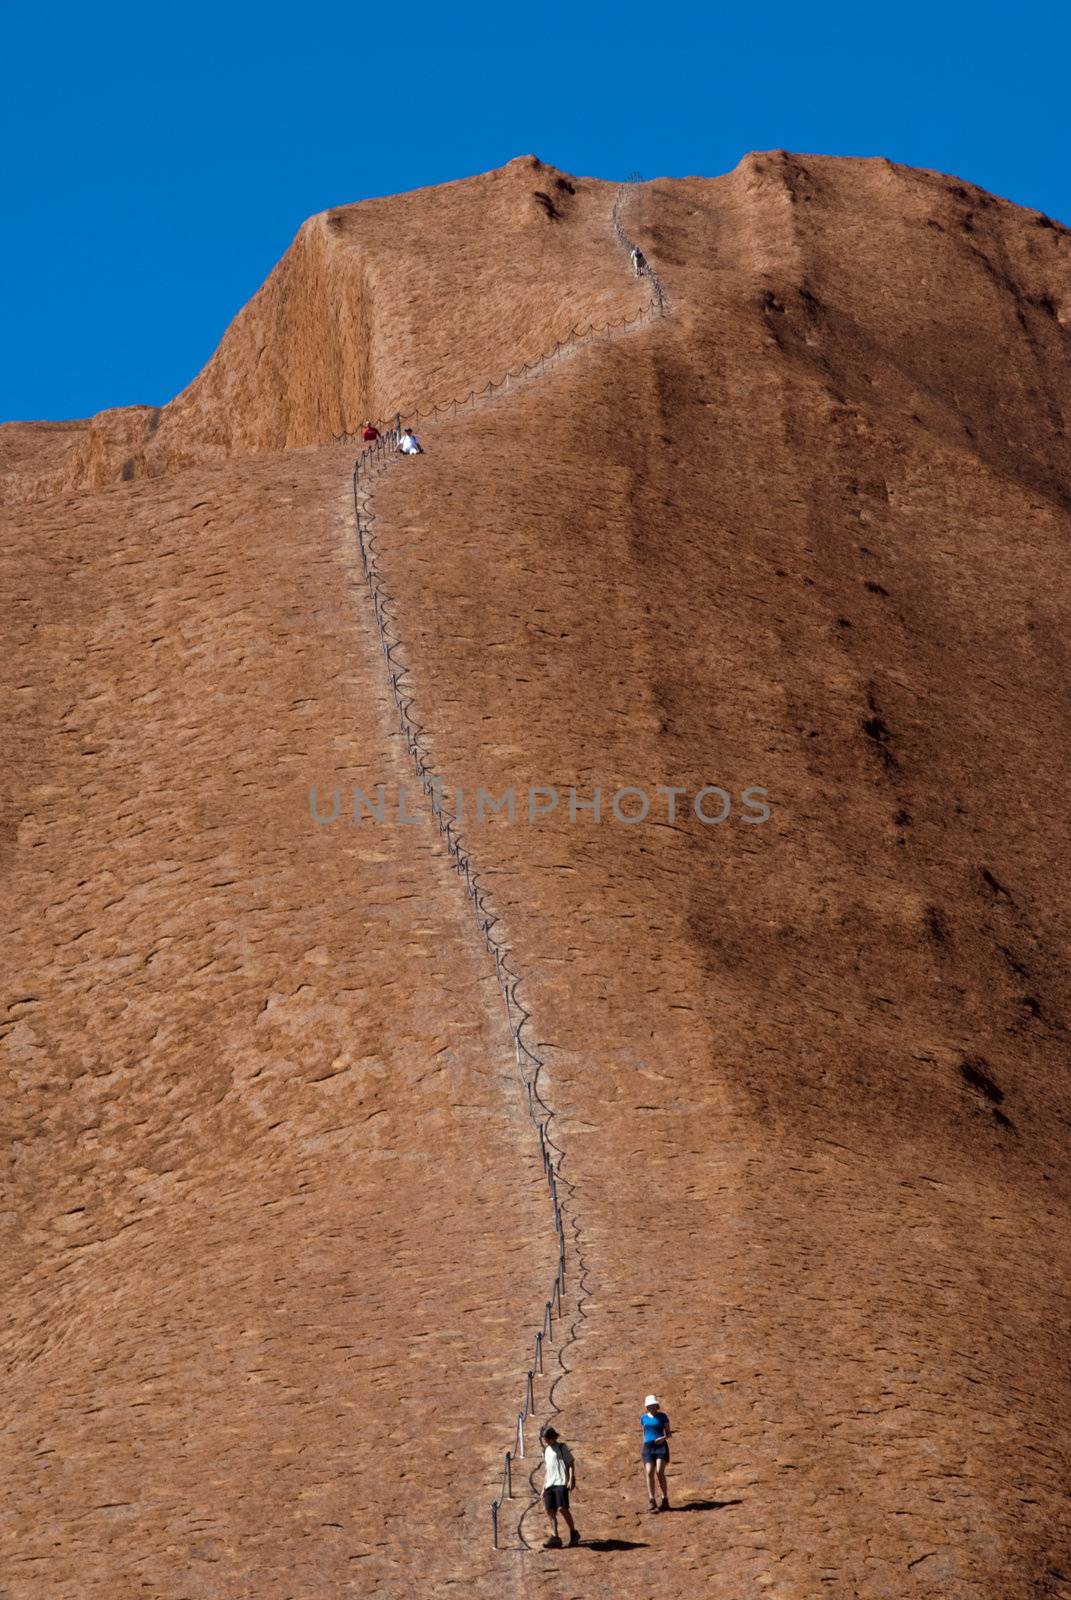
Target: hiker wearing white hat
<point>656,1432</point>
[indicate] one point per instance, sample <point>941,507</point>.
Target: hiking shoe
<point>652,1505</point>
<point>574,1538</point>
<point>553,1543</point>
<point>665,1503</point>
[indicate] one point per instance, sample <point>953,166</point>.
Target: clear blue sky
<point>158,159</point>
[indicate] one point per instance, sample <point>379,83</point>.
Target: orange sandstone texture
<point>273,1229</point>
<point>810,533</point>
<point>271,1188</point>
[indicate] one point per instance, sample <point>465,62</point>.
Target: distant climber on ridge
<point>639,261</point>
<point>410,445</point>
<point>559,1476</point>
<point>656,1432</point>
<point>370,432</point>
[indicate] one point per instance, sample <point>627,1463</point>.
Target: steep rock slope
<point>809,533</point>
<point>276,1233</point>
<point>272,1232</point>
<point>374,307</point>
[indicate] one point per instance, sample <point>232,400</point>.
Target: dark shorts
<point>656,1452</point>
<point>556,1498</point>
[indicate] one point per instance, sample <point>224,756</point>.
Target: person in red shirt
<point>370,433</point>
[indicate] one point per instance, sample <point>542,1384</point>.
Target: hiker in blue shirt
<point>656,1432</point>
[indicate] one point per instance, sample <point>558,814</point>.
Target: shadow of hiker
<point>611,1544</point>
<point>707,1505</point>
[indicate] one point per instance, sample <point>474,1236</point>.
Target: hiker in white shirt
<point>409,444</point>
<point>559,1476</point>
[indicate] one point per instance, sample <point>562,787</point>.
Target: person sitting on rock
<point>559,1476</point>
<point>409,444</point>
<point>370,432</point>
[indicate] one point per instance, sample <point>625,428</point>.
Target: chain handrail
<point>577,334</point>
<point>368,466</point>
<point>642,266</point>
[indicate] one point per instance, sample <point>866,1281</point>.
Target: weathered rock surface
<point>272,1229</point>
<point>271,1188</point>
